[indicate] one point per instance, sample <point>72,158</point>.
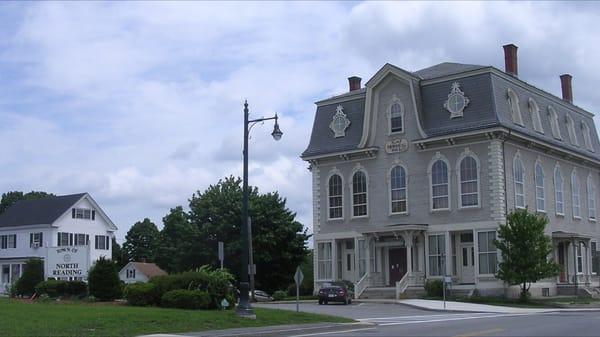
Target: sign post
<point>221,252</point>
<point>447,280</point>
<point>298,277</point>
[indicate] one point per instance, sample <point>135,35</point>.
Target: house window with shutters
<point>102,242</point>
<point>83,213</point>
<point>36,239</point>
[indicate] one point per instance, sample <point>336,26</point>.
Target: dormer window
<point>587,139</point>
<point>513,104</point>
<point>553,116</point>
<point>571,130</point>
<point>83,213</point>
<point>534,110</point>
<point>396,117</point>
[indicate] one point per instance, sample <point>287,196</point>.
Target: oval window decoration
<point>340,122</point>
<point>456,102</point>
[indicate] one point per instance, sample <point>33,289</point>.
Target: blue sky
<point>140,104</point>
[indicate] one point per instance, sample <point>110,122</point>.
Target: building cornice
<point>369,152</point>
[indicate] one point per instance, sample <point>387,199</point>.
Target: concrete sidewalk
<point>451,306</point>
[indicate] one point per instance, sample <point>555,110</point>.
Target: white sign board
<point>65,262</point>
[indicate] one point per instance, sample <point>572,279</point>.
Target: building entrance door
<point>348,268</point>
<point>397,264</point>
<point>561,261</point>
<point>467,263</point>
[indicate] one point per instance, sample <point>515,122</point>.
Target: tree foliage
<point>33,273</point>
<point>141,241</point>
<point>525,250</point>
<point>179,242</point>
<point>279,241</point>
<point>10,198</point>
<point>103,280</point>
<point>119,257</point>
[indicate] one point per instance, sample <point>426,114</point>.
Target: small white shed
<point>139,272</point>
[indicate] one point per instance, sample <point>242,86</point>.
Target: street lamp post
<point>244,308</point>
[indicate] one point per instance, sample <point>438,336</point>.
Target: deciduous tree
<point>525,249</point>
<point>141,241</point>
<point>279,241</point>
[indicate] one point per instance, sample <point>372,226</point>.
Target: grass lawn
<point>19,318</point>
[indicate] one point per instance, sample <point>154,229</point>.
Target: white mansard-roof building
<point>413,173</point>
<point>30,228</point>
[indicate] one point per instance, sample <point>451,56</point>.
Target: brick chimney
<point>510,60</point>
<point>354,83</point>
<point>567,89</point>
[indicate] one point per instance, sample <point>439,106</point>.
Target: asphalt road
<point>398,320</point>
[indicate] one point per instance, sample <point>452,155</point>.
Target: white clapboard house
<point>41,228</point>
<point>140,272</point>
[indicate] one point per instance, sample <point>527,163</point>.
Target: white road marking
<point>333,332</point>
<point>450,319</point>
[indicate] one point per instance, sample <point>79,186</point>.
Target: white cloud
<point>140,104</point>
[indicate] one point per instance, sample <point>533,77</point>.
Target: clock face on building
<point>339,122</point>
<point>457,101</point>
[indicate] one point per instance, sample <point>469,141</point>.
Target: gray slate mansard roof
<point>488,107</point>
<point>38,212</point>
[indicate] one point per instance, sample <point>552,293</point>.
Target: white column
<point>426,255</point>
<point>448,253</point>
<point>368,255</point>
<point>333,259</point>
<point>408,239</point>
<point>356,260</point>
<point>476,253</point>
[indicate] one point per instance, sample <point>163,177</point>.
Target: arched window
<point>540,198</point>
<point>571,130</point>
<point>335,197</point>
<point>439,185</point>
<point>519,175</point>
<point>396,118</point>
<point>558,192</point>
<point>469,182</point>
<point>398,190</point>
<point>513,104</point>
<point>587,139</point>
<point>553,116</point>
<point>535,116</point>
<point>576,195</point>
<point>591,194</point>
<point>359,194</point>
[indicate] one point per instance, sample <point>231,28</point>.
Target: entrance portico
<point>572,252</point>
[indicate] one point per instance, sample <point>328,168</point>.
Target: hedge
<point>434,288</point>
<point>186,299</point>
<point>215,283</point>
<point>103,280</point>
<point>58,288</point>
<point>141,294</point>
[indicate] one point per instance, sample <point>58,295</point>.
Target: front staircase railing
<point>360,286</point>
<point>401,285</point>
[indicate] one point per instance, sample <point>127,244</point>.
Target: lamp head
<point>276,131</point>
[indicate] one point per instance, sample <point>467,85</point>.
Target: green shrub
<point>434,288</point>
<point>103,280</point>
<point>77,288</point>
<point>52,288</point>
<point>141,294</point>
<point>217,283</point>
<point>306,289</point>
<point>58,288</point>
<point>279,295</point>
<point>33,274</point>
<point>186,299</point>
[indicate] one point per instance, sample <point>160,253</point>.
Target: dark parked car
<point>335,293</point>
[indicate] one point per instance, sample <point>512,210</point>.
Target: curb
<point>270,331</point>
